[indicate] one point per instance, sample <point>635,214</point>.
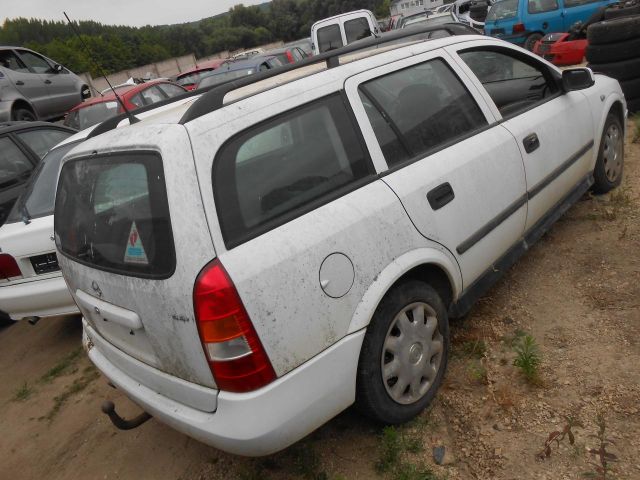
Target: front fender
<point>395,270</point>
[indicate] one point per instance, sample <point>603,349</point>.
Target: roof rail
<point>213,99</point>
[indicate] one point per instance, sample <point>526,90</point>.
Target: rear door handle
<point>440,196</point>
<point>47,81</point>
<point>531,143</point>
<point>19,82</point>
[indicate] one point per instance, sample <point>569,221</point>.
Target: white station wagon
<point>253,262</point>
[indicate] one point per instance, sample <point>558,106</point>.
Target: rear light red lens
<point>290,57</point>
<point>8,267</point>
<point>235,354</point>
<point>518,28</point>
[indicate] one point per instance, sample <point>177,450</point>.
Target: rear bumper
<point>261,422</point>
<point>44,297</point>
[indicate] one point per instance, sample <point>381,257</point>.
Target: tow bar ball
<point>110,410</point>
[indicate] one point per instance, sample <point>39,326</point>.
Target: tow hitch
<point>110,409</point>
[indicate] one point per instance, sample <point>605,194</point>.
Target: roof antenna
<point>132,118</point>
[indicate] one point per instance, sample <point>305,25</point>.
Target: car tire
<point>425,329</point>
<point>531,41</point>
<point>609,31</point>
<point>631,88</point>
<point>619,10</point>
<point>607,173</point>
<point>23,115</point>
<point>613,52</point>
<point>623,70</point>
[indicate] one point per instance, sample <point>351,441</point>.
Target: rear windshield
<point>38,198</point>
<point>218,78</point>
<point>503,9</point>
<point>329,38</point>
<point>112,214</point>
<point>85,117</point>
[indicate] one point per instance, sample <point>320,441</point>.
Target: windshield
<point>219,78</point>
<point>38,198</point>
<point>502,10</point>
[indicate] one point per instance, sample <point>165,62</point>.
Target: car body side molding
<point>498,268</point>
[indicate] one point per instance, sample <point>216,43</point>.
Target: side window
<point>329,38</point>
<point>541,6</point>
<point>151,95</point>
<point>513,84</point>
<point>418,109</point>
<point>170,90</point>
<point>356,29</point>
<point>42,140</point>
<point>277,170</point>
<point>35,62</point>
<point>137,100</point>
<point>13,163</point>
<point>10,60</point>
<point>297,54</point>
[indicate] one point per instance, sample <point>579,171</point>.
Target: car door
<point>543,15</point>
<point>553,130</point>
<point>29,83</point>
<point>458,173</point>
<point>579,10</point>
<point>59,86</point>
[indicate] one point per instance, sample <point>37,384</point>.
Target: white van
<point>335,32</point>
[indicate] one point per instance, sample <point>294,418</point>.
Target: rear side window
<point>541,6</point>
<point>329,38</point>
<point>356,29</point>
<point>170,90</point>
<point>418,109</point>
<point>112,214</point>
<point>41,140</point>
<point>285,167</point>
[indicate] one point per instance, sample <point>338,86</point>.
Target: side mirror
<point>57,68</point>
<point>577,79</point>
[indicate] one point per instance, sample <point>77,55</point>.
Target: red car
<point>190,79</point>
<point>561,48</point>
<point>98,109</point>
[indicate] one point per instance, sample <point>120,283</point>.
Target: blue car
<point>524,22</point>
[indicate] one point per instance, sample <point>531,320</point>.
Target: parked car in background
<point>336,220</point>
<point>524,22</point>
<point>304,45</point>
<point>471,12</point>
<point>99,109</point>
<point>190,78</point>
<point>22,146</point>
<point>234,69</point>
<point>247,54</point>
<point>334,32</point>
<point>287,55</point>
<point>34,87</point>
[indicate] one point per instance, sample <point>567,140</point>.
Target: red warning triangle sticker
<point>134,253</point>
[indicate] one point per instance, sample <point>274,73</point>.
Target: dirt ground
<point>577,293</point>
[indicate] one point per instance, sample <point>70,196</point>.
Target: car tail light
<point>290,57</point>
<point>8,266</point>
<point>518,28</point>
<point>236,357</point>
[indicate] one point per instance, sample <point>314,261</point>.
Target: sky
<point>119,12</point>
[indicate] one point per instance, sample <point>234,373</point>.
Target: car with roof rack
<point>295,241</point>
<point>234,69</point>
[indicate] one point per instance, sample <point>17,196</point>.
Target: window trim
<point>306,207</point>
<point>551,75</point>
<point>171,238</point>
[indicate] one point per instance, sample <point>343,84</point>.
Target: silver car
<point>34,87</point>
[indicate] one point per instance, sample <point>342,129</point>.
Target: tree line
<point>119,47</point>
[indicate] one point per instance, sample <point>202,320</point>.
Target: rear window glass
<point>218,78</point>
<point>112,213</point>
<point>41,140</point>
<point>285,167</point>
<point>85,117</point>
<point>356,29</point>
<point>329,38</point>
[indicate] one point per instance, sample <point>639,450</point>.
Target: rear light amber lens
<point>235,354</point>
<point>518,28</point>
<point>8,267</point>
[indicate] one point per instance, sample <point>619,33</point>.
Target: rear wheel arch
<point>428,265</point>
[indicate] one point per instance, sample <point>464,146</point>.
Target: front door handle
<point>19,82</point>
<point>440,196</point>
<point>47,81</point>
<point>531,143</point>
